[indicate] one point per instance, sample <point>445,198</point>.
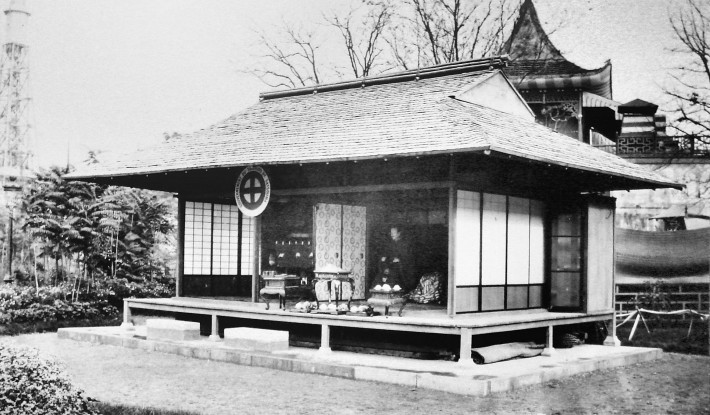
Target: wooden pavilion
<point>512,216</point>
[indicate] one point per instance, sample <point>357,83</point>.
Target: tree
<point>691,89</point>
<point>442,31</point>
<point>87,231</point>
<point>380,35</point>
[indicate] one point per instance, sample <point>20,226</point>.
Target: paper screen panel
<point>197,245</point>
<point>518,240</point>
<point>494,243</point>
<point>468,238</point>
<point>247,258</point>
<point>537,242</point>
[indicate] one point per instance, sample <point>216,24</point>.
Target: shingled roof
<point>407,114</point>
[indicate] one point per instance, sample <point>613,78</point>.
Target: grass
<point>117,409</point>
<point>671,335</point>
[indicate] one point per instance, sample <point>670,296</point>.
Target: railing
<point>695,297</point>
<point>686,146</point>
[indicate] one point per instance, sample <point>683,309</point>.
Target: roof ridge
<point>492,62</point>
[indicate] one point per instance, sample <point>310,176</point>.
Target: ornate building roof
<point>536,64</point>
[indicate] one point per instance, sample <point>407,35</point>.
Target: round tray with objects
<point>387,299</point>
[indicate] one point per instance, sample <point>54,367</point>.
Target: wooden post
<point>549,349</point>
<point>580,121</point>
<point>180,247</point>
<point>256,241</point>
<point>611,339</point>
<point>215,329</point>
<point>127,324</point>
<point>324,339</point>
<point>451,287</point>
<point>465,347</point>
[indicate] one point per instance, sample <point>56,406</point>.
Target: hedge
<point>22,305</point>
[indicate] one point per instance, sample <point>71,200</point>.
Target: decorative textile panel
<point>340,240</point>
<point>354,246</point>
<point>328,231</point>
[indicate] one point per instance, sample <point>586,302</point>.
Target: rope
<point>639,316</point>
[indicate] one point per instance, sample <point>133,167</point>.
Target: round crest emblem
<point>252,191</point>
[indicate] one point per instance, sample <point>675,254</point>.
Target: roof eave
<point>652,184</point>
<point>109,174</point>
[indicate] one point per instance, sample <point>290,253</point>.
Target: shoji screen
<point>198,238</point>
<point>518,263</point>
<point>493,241</point>
<point>467,244</point>
<point>214,242</point>
<point>499,252</point>
<point>537,252</point>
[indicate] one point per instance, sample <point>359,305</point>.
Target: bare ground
<point>676,383</point>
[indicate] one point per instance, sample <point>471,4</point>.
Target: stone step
<point>256,339</point>
<point>164,329</point>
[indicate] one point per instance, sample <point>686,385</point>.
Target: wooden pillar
<point>256,241</point>
<point>127,324</point>
<point>465,347</point>
<point>451,287</point>
<point>180,247</point>
<point>325,339</point>
<point>549,349</point>
<point>215,329</point>
<point>611,339</point>
<point>580,121</point>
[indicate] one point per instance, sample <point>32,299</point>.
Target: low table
<point>331,281</point>
<point>282,286</point>
<point>387,299</point>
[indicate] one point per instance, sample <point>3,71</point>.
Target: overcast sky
<point>115,75</point>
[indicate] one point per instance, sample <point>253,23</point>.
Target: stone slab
<point>256,339</point>
<point>474,380</point>
<point>178,330</point>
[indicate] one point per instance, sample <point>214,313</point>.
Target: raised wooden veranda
<point>434,321</point>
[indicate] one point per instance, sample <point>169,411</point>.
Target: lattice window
<point>198,243</point>
<point>215,244</point>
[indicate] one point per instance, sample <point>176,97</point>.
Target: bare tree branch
<point>691,89</point>
<point>362,37</point>
<point>386,34</point>
<point>288,62</point>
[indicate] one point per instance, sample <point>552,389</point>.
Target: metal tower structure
<point>15,154</point>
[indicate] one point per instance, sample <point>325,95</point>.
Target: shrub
<point>25,305</point>
<point>31,384</point>
<point>114,290</point>
<point>21,305</point>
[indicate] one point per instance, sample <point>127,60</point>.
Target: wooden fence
<point>672,297</point>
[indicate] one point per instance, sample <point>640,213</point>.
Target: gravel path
<point>675,384</point>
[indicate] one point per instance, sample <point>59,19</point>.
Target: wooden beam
<point>362,189</point>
